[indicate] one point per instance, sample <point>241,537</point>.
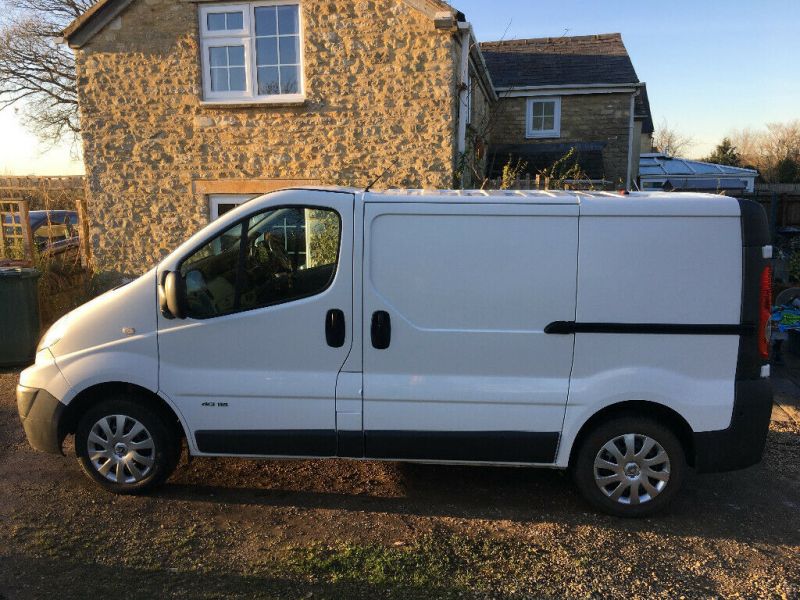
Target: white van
<point>623,336</point>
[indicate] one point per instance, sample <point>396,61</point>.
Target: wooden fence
<point>781,201</point>
<point>44,193</point>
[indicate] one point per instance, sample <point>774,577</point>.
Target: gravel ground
<point>346,529</point>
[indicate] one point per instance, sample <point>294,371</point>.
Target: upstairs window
<point>544,118</point>
<point>252,52</point>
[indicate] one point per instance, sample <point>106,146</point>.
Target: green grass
<point>436,565</point>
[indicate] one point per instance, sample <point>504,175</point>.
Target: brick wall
<point>584,118</point>
<point>380,84</point>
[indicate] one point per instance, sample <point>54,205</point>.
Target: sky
<point>711,66</point>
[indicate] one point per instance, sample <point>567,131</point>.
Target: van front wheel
<point>125,447</point>
<point>630,467</point>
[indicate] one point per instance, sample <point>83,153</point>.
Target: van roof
<point>590,202</point>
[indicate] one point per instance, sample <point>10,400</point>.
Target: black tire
<point>583,467</point>
<point>159,461</point>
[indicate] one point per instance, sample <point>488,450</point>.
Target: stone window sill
<point>253,103</point>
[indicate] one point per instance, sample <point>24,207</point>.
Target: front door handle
<point>334,328</point>
<point>381,331</point>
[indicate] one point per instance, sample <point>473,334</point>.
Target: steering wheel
<point>280,261</point>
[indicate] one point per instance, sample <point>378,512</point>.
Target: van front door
<point>253,367</point>
<point>457,366</point>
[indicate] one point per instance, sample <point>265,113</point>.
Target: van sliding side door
<point>457,366</point>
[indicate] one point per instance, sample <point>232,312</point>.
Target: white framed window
<point>219,204</point>
<point>252,52</point>
<point>543,117</point>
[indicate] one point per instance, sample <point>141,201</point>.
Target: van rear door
<point>457,366</point>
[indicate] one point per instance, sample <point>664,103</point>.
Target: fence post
<point>83,223</point>
<point>3,230</point>
<point>773,220</point>
<point>27,233</point>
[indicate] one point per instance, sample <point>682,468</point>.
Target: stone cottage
<point>558,94</point>
<point>189,107</point>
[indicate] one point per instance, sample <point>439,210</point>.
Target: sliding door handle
<point>335,328</point>
<point>381,331</point>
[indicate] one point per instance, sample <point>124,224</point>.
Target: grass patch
<point>436,565</point>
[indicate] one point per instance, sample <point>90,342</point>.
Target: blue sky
<point>710,65</point>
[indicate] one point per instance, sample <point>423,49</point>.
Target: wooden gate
<point>16,238</point>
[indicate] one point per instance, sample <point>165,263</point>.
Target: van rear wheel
<point>125,447</point>
<point>630,467</point>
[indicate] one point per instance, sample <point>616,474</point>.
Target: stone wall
<point>584,118</point>
<point>380,85</point>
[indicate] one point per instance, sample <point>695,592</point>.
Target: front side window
<point>544,117</point>
<point>211,275</point>
<point>272,257</point>
<point>252,52</point>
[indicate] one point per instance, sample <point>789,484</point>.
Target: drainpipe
<point>466,35</point>
<point>628,182</point>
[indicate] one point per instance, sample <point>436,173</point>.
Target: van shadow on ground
<point>759,504</point>
<point>67,578</point>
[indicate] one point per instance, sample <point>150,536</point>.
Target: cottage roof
<point>641,110</point>
<point>578,60</point>
<point>102,12</point>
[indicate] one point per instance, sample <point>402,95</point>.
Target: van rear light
<point>765,312</point>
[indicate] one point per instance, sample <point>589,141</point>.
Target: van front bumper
<point>40,413</point>
<point>742,443</point>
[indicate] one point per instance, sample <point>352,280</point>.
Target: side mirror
<point>172,296</point>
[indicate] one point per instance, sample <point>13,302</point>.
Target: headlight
<point>53,335</point>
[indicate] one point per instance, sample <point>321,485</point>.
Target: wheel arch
<point>640,408</point>
<point>93,394</point>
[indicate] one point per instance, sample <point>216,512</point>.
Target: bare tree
<point>37,72</point>
<point>770,149</point>
<point>748,144</point>
<point>670,141</point>
<point>782,140</point>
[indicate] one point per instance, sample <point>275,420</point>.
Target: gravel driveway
<point>342,529</point>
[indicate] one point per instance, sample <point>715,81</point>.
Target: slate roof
<point>586,59</point>
<point>641,110</point>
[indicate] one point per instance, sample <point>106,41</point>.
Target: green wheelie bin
<point>19,315</point>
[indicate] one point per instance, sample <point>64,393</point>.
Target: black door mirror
<point>172,296</point>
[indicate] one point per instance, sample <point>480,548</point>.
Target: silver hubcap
<point>631,469</point>
<point>121,449</point>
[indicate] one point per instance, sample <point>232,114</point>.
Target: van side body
<point>451,326</point>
